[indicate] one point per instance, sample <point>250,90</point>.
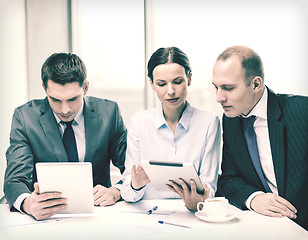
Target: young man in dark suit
<point>265,139</point>
<point>39,133</point>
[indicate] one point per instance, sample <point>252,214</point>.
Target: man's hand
<point>105,196</point>
<point>139,177</point>
<point>273,205</point>
<point>189,193</point>
<point>43,205</point>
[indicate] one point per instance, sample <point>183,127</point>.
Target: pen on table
<point>152,210</point>
<point>173,224</point>
<point>158,213</point>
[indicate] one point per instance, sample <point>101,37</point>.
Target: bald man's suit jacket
<point>288,133</point>
<point>35,137</point>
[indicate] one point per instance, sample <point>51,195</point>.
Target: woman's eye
<point>178,82</point>
<point>227,88</point>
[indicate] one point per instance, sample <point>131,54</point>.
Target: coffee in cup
<point>214,207</point>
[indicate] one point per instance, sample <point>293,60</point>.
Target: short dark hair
<point>63,68</point>
<point>251,61</point>
<point>168,55</point>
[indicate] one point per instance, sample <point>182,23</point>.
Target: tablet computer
<point>161,172</point>
<point>73,180</point>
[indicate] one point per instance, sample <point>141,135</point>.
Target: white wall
<point>13,71</point>
<point>47,33</point>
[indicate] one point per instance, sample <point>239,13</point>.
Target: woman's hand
<point>139,177</point>
<point>189,193</point>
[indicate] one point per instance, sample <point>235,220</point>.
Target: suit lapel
<point>51,131</point>
<point>240,139</point>
<point>276,136</point>
<point>91,122</point>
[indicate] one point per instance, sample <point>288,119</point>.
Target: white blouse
<point>196,140</point>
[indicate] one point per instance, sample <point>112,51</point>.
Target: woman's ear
<point>152,84</point>
<point>189,79</point>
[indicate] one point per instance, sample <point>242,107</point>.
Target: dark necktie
<point>251,140</point>
<point>69,142</point>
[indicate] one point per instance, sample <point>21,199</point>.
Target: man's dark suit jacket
<point>288,133</point>
<point>35,137</point>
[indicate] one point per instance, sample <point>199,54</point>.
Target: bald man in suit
<point>270,178</point>
<point>36,136</point>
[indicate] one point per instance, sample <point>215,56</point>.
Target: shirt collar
<point>160,120</point>
<point>78,118</point>
<point>260,109</point>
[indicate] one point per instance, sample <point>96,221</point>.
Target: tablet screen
<point>73,180</point>
<point>160,173</point>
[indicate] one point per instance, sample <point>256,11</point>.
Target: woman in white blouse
<point>175,131</point>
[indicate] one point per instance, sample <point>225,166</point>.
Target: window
<point>109,37</point>
<point>116,38</point>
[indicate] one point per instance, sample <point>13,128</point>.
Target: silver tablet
<point>73,180</point>
<point>161,172</point>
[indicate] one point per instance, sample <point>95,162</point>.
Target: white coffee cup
<point>214,207</point>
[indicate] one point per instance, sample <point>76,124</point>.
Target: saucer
<point>231,215</point>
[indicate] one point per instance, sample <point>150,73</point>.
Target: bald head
<point>250,61</point>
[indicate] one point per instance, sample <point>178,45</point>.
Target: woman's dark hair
<point>63,68</point>
<point>168,55</point>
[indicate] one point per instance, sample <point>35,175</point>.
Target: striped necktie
<point>251,140</point>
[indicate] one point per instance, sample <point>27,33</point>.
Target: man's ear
<point>44,87</point>
<point>257,83</point>
<point>86,87</point>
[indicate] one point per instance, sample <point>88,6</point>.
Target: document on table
<point>159,207</point>
<point>17,219</point>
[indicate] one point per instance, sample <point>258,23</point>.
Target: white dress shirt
<point>264,145</point>
<point>79,131</point>
<point>196,140</point>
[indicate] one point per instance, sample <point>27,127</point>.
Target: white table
<point>129,221</point>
